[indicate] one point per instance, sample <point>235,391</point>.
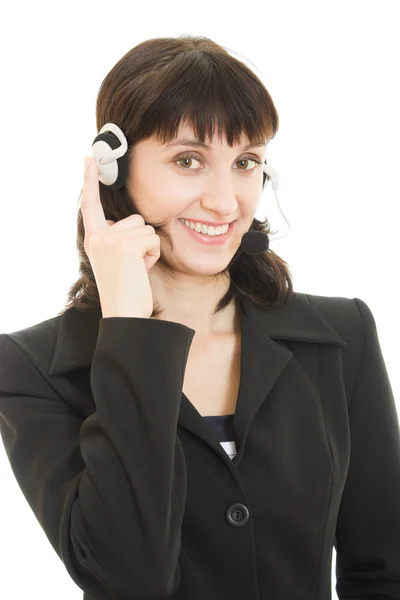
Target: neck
<point>193,305</point>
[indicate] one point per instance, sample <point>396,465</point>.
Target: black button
<point>237,514</point>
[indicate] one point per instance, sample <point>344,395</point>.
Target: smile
<point>207,239</point>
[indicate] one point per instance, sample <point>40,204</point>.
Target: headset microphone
<point>254,242</point>
<point>109,148</point>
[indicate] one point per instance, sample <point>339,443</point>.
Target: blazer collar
<point>264,356</point>
<point>298,321</point>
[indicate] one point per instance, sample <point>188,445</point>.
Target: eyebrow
<point>197,143</point>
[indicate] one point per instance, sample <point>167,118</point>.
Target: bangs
<point>213,97</point>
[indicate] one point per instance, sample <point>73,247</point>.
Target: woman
<point>189,426</point>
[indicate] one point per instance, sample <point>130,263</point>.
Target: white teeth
<point>208,230</point>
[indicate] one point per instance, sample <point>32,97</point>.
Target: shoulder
<point>34,337</point>
<point>342,312</point>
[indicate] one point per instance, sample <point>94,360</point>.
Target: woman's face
<point>208,185</point>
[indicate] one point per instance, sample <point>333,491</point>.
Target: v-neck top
<point>223,428</point>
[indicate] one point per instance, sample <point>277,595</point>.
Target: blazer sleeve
<point>368,525</point>
<point>109,491</point>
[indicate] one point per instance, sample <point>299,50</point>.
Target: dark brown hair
<point>150,90</point>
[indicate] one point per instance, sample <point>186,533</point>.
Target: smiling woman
<point>152,93</point>
<point>200,455</point>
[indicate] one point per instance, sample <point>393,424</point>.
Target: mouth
<point>209,240</point>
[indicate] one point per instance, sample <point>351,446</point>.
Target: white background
<point>332,71</point>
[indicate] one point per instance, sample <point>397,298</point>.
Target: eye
<point>191,156</point>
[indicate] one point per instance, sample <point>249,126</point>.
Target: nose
<point>221,201</point>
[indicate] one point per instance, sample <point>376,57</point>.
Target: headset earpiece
<point>109,148</point>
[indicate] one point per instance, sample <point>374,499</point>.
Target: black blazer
<point>139,499</point>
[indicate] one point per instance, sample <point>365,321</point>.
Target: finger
<point>91,208</point>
